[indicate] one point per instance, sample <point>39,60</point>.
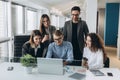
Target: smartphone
<point>109,74</point>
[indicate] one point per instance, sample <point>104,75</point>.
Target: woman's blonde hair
<point>42,27</point>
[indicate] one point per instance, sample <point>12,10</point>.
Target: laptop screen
<point>50,66</point>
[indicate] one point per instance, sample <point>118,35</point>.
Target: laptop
<point>50,66</point>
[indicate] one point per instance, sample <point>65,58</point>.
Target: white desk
<point>18,73</point>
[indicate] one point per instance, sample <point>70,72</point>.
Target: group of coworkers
<point>74,44</point>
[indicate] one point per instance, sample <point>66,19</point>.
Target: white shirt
<point>95,59</point>
<point>36,48</point>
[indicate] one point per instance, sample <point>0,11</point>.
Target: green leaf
<point>28,60</point>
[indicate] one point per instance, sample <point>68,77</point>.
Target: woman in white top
<point>94,51</point>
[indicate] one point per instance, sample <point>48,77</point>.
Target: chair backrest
<point>107,63</point>
<point>19,40</point>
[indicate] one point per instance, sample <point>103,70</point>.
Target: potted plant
<point>29,62</point>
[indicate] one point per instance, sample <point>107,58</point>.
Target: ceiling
<point>64,6</point>
<point>60,5</point>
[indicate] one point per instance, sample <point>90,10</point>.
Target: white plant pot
<point>28,70</point>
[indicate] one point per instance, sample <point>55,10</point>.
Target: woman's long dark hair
<point>97,43</point>
<point>42,27</point>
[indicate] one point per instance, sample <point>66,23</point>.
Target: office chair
<point>107,63</point>
<point>19,40</point>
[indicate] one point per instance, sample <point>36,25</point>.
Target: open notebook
<point>97,72</point>
<point>78,76</point>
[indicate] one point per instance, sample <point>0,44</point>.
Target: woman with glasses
<point>60,49</point>
<point>34,46</point>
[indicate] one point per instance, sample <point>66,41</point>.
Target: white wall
<point>118,40</point>
<point>91,14</point>
<point>101,22</point>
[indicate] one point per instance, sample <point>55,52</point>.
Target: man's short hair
<point>76,8</point>
<point>57,33</point>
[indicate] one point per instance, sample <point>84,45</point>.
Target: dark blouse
<point>27,49</point>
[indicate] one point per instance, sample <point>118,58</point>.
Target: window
<point>3,18</point>
<point>3,28</point>
<point>54,20</point>
<point>57,20</point>
<point>31,20</point>
<point>17,19</point>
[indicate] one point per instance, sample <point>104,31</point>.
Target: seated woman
<point>94,52</point>
<point>34,46</point>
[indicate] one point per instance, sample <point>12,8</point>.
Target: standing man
<point>75,31</point>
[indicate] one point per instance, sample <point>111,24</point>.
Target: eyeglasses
<point>58,39</point>
<point>75,14</point>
